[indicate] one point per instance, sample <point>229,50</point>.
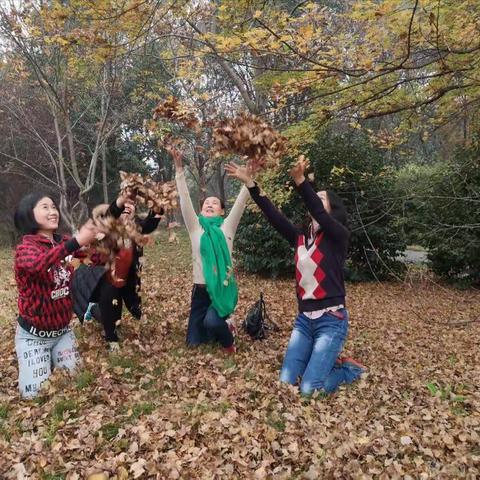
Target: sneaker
<point>352,361</point>
<point>113,347</point>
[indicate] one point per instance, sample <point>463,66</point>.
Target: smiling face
<point>128,211</point>
<point>212,207</point>
<point>46,215</point>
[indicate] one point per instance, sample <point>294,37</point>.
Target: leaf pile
<point>249,136</point>
<point>159,410</point>
<point>159,197</point>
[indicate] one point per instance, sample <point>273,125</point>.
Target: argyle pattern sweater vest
<point>308,271</point>
<point>318,266</point>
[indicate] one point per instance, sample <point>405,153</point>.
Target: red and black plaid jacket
<point>43,280</point>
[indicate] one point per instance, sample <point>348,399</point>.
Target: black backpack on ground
<point>255,323</point>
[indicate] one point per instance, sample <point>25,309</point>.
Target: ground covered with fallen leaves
<point>160,410</point>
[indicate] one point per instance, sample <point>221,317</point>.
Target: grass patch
<point>40,400</point>
<point>62,406</point>
<point>5,433</point>
<point>59,409</point>
<point>278,424</point>
<point>198,408</point>
<point>124,366</point>
<point>223,407</point>
<point>207,348</point>
<point>140,409</point>
<point>84,379</point>
<point>229,363</point>
<point>121,445</point>
<point>4,409</point>
<point>452,395</point>
<point>110,430</point>
<point>122,362</point>
<point>51,431</point>
<point>52,476</point>
<point>159,370</point>
<point>148,385</point>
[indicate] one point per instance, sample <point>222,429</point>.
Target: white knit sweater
<point>190,217</point>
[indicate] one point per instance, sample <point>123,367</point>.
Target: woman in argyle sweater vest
<point>321,327</point>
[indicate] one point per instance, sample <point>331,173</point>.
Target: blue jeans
<point>312,352</point>
<point>204,324</point>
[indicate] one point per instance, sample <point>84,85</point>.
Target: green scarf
<point>217,266</point>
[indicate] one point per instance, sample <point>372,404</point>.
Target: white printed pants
<point>36,357</point>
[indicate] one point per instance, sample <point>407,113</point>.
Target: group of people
<point>49,289</point>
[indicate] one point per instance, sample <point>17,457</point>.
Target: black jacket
<point>147,225</point>
<point>86,280</point>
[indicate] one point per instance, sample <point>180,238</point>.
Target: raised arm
<point>149,223</point>
<point>30,258</point>
<point>186,206</point>
<point>315,206</point>
<point>281,223</point>
<point>116,207</point>
<point>233,218</point>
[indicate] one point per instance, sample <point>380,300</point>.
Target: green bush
<point>451,218</point>
<point>349,165</point>
<point>442,213</point>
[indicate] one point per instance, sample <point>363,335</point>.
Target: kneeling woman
<point>214,294</point>
<point>44,338</point>
<point>120,284</point>
<point>321,326</point>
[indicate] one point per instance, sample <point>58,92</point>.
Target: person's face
<point>46,214</point>
<point>128,211</point>
<point>212,207</point>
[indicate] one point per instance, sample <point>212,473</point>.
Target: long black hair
<point>24,217</point>
<point>338,210</point>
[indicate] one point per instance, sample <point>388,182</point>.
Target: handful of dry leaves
<point>249,136</point>
<point>174,111</point>
<point>114,234</point>
<point>158,197</point>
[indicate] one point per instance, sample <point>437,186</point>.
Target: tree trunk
<point>220,177</point>
<point>104,173</point>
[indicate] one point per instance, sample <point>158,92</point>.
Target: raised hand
<point>241,173</point>
<point>297,172</point>
<point>87,233</point>
<point>176,155</point>
<point>123,199</point>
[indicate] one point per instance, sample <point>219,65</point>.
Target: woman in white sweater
<point>214,294</point>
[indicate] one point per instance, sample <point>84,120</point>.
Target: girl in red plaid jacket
<point>43,337</point>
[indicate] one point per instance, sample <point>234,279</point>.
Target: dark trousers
<point>110,301</point>
<point>204,324</point>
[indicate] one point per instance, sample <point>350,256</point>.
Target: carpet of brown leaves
<point>159,410</point>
